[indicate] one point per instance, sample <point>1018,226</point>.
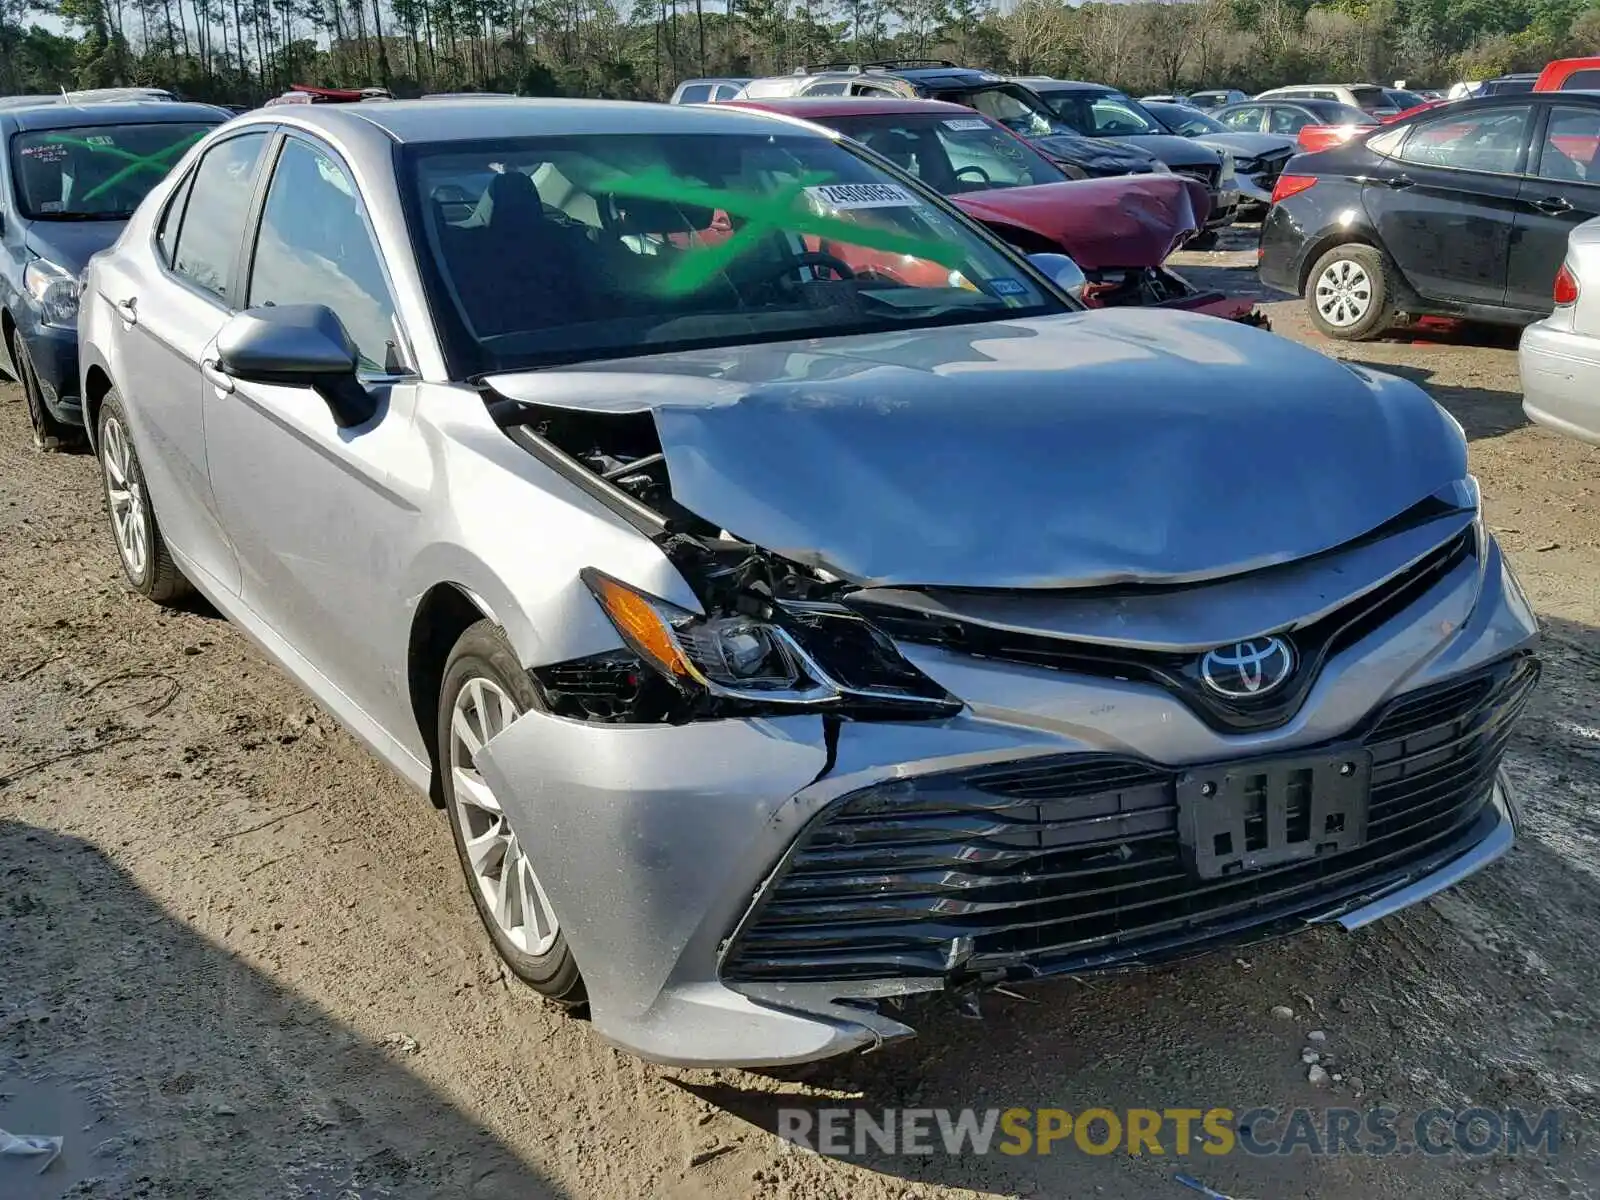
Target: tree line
<point>243,51</point>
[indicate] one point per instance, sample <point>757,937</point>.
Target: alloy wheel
<point>130,514</point>
<point>499,867</point>
<point>1343,293</point>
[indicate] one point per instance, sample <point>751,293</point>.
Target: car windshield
<point>1190,122</point>
<point>549,250</point>
<point>1331,112</point>
<point>95,172</point>
<point>1013,105</point>
<point>952,154</point>
<point>1102,114</point>
<point>1403,99</point>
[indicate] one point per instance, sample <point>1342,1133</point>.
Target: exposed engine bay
<point>775,635</point>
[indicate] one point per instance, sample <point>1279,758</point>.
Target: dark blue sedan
<point>70,177</point>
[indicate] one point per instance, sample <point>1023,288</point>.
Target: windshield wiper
<point>81,216</point>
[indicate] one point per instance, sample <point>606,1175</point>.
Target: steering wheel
<point>974,169</point>
<point>814,258</point>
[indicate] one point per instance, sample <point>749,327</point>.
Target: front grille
<point>1200,174</point>
<point>1074,863</point>
<point>1179,673</point>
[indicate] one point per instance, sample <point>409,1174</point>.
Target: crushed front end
<point>766,823</point>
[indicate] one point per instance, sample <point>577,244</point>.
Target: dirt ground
<point>237,958</point>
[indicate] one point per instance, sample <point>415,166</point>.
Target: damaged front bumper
<point>694,867</point>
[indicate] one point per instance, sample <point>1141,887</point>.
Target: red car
<point>1119,230</point>
<point>1570,75</point>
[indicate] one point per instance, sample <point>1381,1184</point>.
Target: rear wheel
<point>485,689</point>
<point>1350,293</point>
<point>140,547</point>
<point>49,434</point>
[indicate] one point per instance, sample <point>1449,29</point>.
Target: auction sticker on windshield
<point>964,123</point>
<point>843,196</point>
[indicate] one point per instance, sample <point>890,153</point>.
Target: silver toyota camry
<point>788,644</point>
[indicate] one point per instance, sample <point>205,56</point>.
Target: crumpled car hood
<point>1247,145</point>
<point>1092,448</point>
<point>1127,221</point>
<point>1094,154</point>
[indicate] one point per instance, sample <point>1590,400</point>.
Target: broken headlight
<point>790,655</point>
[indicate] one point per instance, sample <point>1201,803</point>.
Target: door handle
<point>1553,205</point>
<point>127,309</point>
<point>215,375</point>
<point>1400,182</point>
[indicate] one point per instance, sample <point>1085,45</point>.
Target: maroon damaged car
<point>1119,230</point>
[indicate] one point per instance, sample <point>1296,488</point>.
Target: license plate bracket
<point>1247,816</point>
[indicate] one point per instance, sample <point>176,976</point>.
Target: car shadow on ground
<point>1480,996</point>
<point>1483,412</point>
<point>266,1094</point>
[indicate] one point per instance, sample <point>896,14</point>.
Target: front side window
<point>1286,119</point>
<point>828,87</point>
<point>215,212</point>
<point>696,93</point>
<point>1571,140</point>
<point>1487,140</point>
<point>1102,114</point>
<point>1248,118</point>
<point>314,247</point>
<point>95,172</point>
<point>588,247</point>
<point>952,154</point>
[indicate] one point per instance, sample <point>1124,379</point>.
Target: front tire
<point>49,434</point>
<point>484,690</point>
<point>141,549</point>
<point>1350,293</point>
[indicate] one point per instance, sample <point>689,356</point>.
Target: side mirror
<point>1063,272</point>
<point>297,345</point>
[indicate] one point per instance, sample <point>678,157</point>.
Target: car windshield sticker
<point>842,197</point>
<point>963,123</point>
<point>756,216</point>
<point>1007,287</point>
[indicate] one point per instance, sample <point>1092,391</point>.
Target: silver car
<point>1559,357</point>
<point>785,644</point>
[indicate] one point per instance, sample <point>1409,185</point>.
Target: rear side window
<point>1582,81</point>
<point>1570,142</point>
<point>219,199</point>
<point>695,94</point>
<point>726,91</point>
<point>172,219</point>
<point>829,87</point>
<point>1288,120</point>
<point>1487,140</point>
<point>1368,98</point>
<point>314,247</point>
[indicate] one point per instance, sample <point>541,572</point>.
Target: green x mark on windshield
<point>762,214</point>
<point>160,162</point>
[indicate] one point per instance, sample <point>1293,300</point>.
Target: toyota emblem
<point>1247,669</point>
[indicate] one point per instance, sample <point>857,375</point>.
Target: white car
<point>1367,97</point>
<point>1560,356</point>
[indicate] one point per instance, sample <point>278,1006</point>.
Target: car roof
<point>132,112</point>
<point>466,120</point>
<point>1063,85</point>
<point>817,108</point>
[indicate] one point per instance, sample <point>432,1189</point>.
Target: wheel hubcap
<point>1344,293</point>
<point>129,517</point>
<point>499,868</point>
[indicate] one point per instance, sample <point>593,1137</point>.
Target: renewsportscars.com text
<point>1475,1132</point>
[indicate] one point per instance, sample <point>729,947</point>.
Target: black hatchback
<point>1462,211</point>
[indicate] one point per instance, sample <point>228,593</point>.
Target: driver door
<point>320,515</point>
